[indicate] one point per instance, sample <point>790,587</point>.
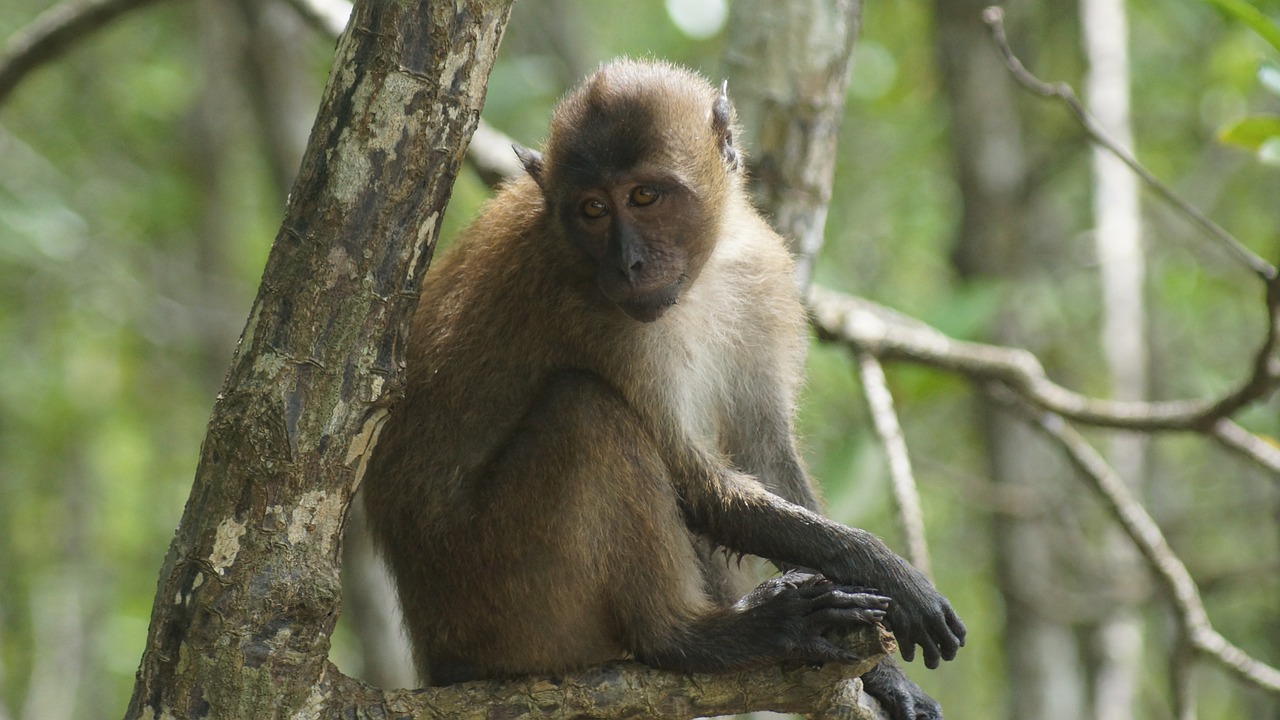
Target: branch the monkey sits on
<point>601,379</point>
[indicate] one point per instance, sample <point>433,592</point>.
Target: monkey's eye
<point>642,196</point>
<point>594,209</point>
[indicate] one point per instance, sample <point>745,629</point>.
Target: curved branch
<point>1150,541</point>
<point>886,334</point>
<point>53,33</point>
<point>994,17</point>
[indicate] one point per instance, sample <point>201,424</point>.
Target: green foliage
<point>1254,18</point>
<point>1259,133</point>
<point>1252,132</point>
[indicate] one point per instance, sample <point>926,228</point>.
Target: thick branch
<point>627,690</point>
<point>54,32</point>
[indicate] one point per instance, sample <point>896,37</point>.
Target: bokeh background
<point>143,177</point>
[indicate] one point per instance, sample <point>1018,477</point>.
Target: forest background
<point>143,174</point>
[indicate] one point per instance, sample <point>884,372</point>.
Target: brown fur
<point>546,492</point>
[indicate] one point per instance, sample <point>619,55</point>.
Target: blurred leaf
<point>1252,17</point>
<point>1251,132</point>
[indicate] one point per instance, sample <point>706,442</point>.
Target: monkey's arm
<point>733,510</point>
<point>769,454</point>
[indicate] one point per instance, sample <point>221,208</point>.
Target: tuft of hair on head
<point>632,111</point>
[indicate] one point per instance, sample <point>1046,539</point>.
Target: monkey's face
<point>645,234</point>
<point>639,164</point>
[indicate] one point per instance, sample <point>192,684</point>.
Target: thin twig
<point>53,33</point>
<point>1251,447</point>
<point>905,492</point>
<point>994,17</point>
<point>1150,541</point>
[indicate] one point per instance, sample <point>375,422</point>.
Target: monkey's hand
<point>920,615</point>
<point>797,610</point>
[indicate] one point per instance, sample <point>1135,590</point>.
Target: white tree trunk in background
<point>1118,239</point>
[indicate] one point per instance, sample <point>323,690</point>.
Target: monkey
<point>600,384</point>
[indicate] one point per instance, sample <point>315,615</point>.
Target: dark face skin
<point>643,233</point>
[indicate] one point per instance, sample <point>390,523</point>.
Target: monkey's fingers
<point>905,646</point>
<point>956,625</point>
<point>844,598</point>
<point>946,634</point>
<point>929,649</point>
<point>845,617</point>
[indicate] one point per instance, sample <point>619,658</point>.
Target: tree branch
<point>1150,541</point>
<point>994,17</point>
<point>1246,444</point>
<point>885,419</point>
<point>791,62</point>
<point>627,690</point>
<point>52,34</point>
<point>873,328</point>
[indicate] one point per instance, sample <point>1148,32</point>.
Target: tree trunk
<point>791,61</point>
<point>249,590</point>
<point>992,172</point>
<point>1118,639</point>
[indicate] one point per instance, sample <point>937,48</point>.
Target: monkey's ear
<point>722,124</point>
<point>531,160</point>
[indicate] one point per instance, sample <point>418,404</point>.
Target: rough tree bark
<point>249,590</point>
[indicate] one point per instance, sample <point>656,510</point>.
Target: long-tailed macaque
<point>600,388</point>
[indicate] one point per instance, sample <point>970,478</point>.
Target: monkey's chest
<point>707,376</point>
